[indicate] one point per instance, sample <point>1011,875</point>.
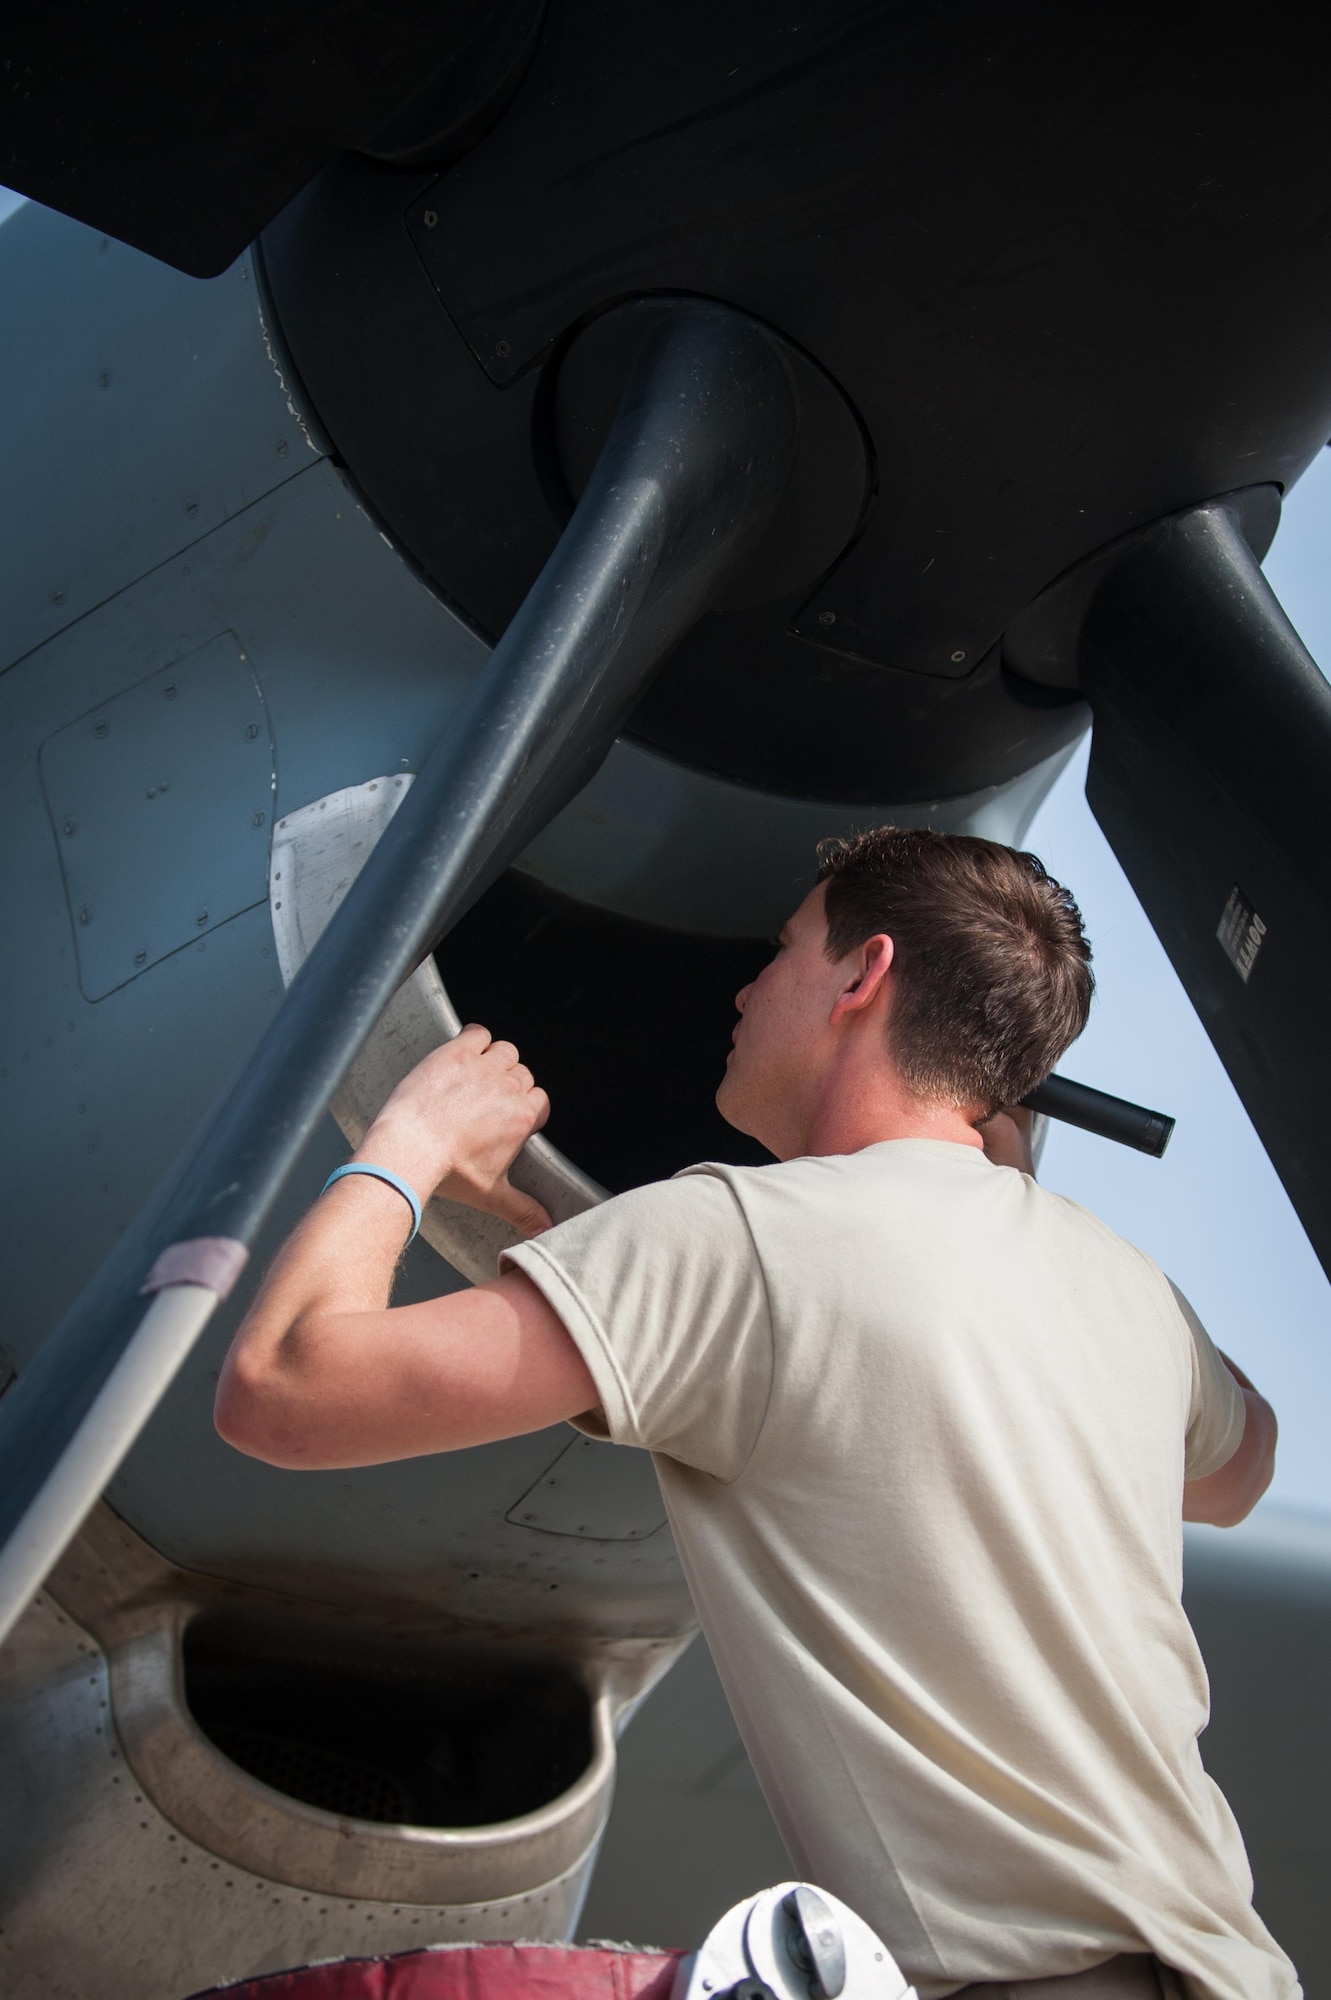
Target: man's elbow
<point>249,1413</point>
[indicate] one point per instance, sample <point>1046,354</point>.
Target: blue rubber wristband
<point>393,1180</point>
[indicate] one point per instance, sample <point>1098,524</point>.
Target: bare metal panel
<point>104,1897</point>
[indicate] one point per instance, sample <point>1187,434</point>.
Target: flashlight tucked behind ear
<point>1096,1111</point>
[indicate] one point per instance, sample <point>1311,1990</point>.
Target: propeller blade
<point>1108,1117</point>
<point>1211,775</point>
<point>183,130</point>
<point>696,458</point>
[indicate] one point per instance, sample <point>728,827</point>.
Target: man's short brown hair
<point>993,970</point>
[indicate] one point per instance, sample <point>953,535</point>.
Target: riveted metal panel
<point>595,1492</point>
<point>160,801</point>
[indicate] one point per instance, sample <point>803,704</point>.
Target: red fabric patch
<point>472,1972</point>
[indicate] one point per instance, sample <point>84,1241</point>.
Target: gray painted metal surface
<point>596,1493</point>
<point>160,802</point>
<point>310,589</point>
<point>141,412</point>
<point>670,845</point>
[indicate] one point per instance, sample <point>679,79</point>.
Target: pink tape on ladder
<point>213,1261</point>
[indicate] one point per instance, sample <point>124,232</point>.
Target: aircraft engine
<point>324,1710</point>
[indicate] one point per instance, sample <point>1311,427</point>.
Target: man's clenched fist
<point>456,1124</point>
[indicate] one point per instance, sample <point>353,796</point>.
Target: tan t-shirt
<point>922,1429</point>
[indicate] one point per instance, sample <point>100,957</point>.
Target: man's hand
<point>456,1124</point>
<point>1007,1139</point>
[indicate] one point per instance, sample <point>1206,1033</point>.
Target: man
<point>925,1431</point>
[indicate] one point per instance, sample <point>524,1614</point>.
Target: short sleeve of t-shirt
<point>1216,1413</point>
<point>664,1294</point>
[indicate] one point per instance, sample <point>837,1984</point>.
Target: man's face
<point>783,1034</point>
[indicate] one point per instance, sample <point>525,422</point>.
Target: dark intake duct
<point>626,1025</point>
<point>474,1738</point>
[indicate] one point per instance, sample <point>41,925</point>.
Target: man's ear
<point>869,969</point>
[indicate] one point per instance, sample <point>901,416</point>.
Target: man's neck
<point>848,1126</point>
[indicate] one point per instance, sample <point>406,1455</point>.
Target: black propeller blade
<point>696,460</point>
<point>1108,1117</point>
<point>1211,776</point>
<point>183,130</point>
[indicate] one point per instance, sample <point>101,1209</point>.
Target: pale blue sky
<point>1212,1211</point>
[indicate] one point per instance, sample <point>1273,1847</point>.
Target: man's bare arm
<point>1227,1497</point>
<point>323,1372</point>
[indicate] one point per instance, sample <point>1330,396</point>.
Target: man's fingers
<point>474,1035</point>
<point>504,1053</point>
<point>539,1105</point>
<point>518,1208</point>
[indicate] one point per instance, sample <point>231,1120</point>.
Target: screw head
<point>502,349</point>
<point>85,914</point>
<point>100,728</point>
<point>141,956</point>
<point>827,617</point>
<point>202,917</point>
<point>169,691</point>
<point>191,506</point>
<point>957,659</point>
<point>251,730</point>
<point>258,819</point>
<point>431,218</point>
<point>69,826</point>
<point>282,447</point>
<point>57,596</point>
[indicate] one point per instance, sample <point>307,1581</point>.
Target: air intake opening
<point>626,1025</point>
<point>473,1737</point>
